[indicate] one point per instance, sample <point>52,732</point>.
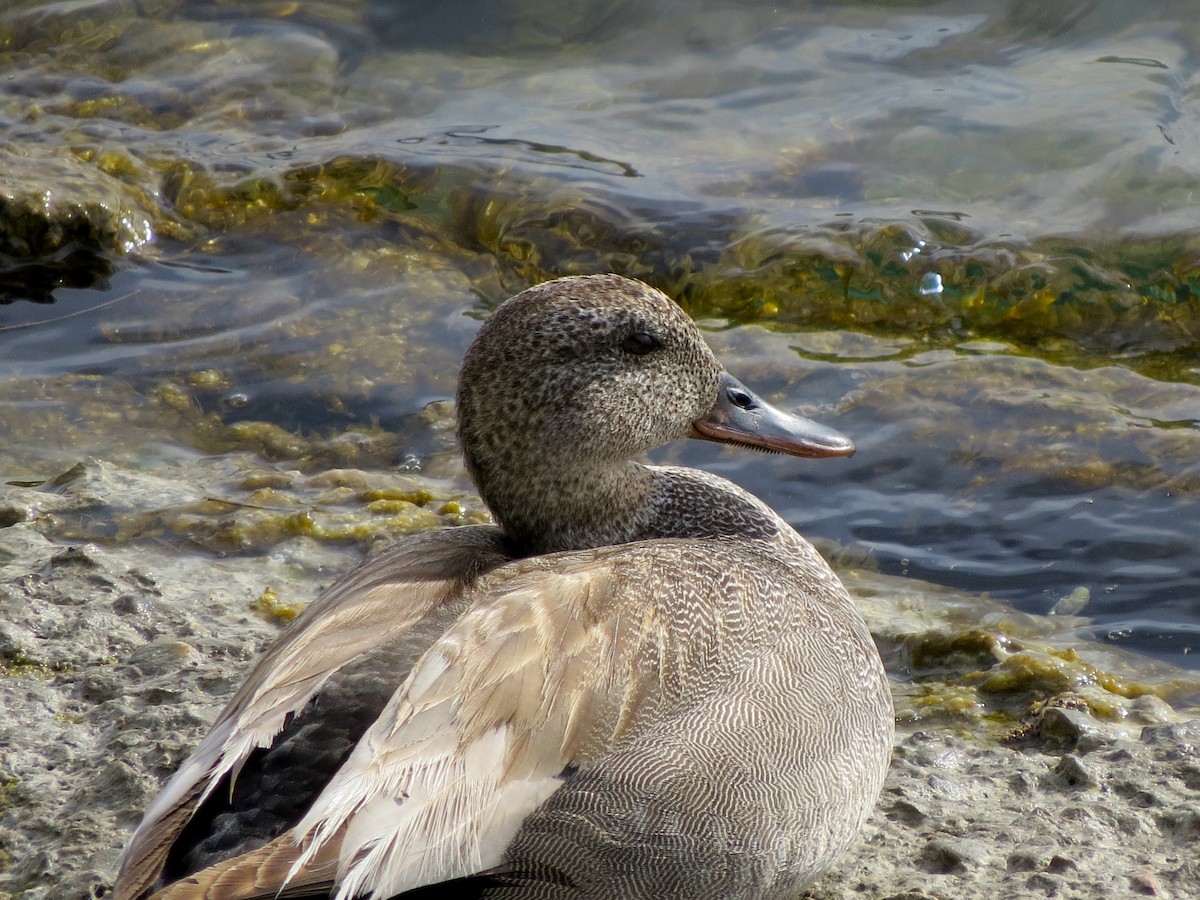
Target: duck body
<point>641,684</point>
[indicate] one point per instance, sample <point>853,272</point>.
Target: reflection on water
<point>967,229</point>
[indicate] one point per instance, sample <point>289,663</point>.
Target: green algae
<point>7,783</point>
<point>957,679</point>
<point>979,677</point>
<point>1015,295</point>
<point>1075,301</point>
<point>20,665</point>
<point>972,648</point>
<point>8,786</point>
<point>58,198</point>
<point>1065,670</point>
<point>254,521</point>
<point>372,189</point>
<point>971,665</point>
<point>239,487</point>
<point>1072,304</point>
<point>274,609</point>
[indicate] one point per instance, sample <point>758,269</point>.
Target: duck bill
<point>742,417</point>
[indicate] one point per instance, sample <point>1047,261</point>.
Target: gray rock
<point>1072,728</point>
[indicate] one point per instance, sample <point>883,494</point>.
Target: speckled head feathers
<point>564,383</point>
<point>596,366</point>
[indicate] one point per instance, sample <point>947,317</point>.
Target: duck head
<point>569,380</point>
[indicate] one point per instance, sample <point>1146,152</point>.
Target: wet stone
<point>12,513</point>
<point>1043,884</point>
<point>1025,861</point>
<point>1144,799</point>
<point>1072,728</point>
<point>931,751</point>
<point>1182,824</point>
<point>16,642</point>
<point>54,200</point>
<point>954,856</point>
<point>1072,772</point>
<point>1181,740</point>
<point>165,656</point>
<point>1022,784</point>
<point>1189,775</point>
<point>1152,710</point>
<point>906,812</point>
<point>20,544</point>
<point>945,789</point>
<point>101,686</point>
<point>1060,864</point>
<point>132,605</point>
<point>1146,884</point>
<point>75,557</point>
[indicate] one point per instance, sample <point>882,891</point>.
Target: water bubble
<point>1073,603</point>
<point>931,283</point>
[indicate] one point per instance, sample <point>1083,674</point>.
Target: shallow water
<point>966,233</point>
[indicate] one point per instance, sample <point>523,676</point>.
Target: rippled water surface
<point>966,233</point>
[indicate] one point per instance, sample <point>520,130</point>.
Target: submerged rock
<point>53,199</point>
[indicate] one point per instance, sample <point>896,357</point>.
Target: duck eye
<point>640,343</point>
<point>741,399</point>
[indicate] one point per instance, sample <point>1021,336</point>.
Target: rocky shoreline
<point>221,236</point>
<point>1028,764</point>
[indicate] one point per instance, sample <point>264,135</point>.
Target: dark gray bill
<point>742,417</point>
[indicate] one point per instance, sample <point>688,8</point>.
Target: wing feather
<point>554,662</point>
<point>373,605</point>
<point>257,875</point>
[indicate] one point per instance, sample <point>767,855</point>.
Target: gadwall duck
<point>642,683</point>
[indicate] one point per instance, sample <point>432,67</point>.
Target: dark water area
<point>965,233</point>
<point>1026,544</point>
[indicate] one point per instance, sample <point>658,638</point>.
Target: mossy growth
<point>1070,301</point>
<point>21,665</point>
<point>274,609</point>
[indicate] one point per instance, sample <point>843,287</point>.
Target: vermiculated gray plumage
<point>642,684</point>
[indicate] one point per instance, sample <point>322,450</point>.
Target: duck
<point>640,682</point>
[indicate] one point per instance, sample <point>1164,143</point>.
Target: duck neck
<point>576,507</point>
<point>570,507</point>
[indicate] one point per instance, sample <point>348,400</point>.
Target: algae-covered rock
<point>223,505</point>
<point>134,107</point>
<point>979,667</point>
<point>53,200</point>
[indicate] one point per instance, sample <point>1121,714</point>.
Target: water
<point>963,232</point>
